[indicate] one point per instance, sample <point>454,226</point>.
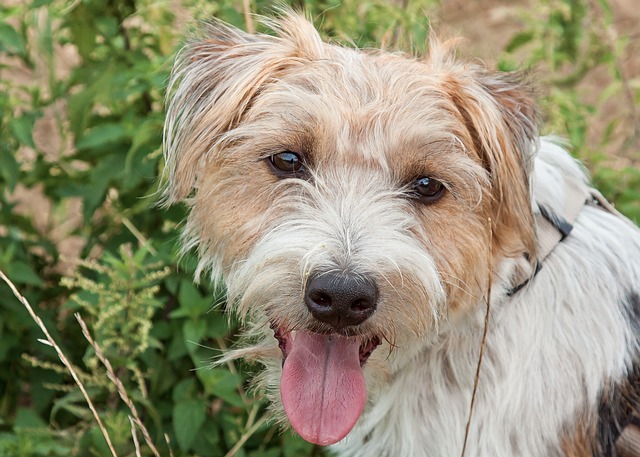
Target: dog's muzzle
<point>322,385</point>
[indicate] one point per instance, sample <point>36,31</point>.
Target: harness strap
<point>552,227</point>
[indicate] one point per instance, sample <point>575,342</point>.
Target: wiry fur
<point>370,123</point>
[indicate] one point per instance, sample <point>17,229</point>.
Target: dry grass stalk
<point>51,342</point>
<point>139,236</point>
<point>119,386</point>
<point>248,19</point>
<point>166,438</point>
<point>483,344</point>
<point>134,434</point>
<point>246,435</point>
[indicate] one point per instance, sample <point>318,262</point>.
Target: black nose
<point>341,300</point>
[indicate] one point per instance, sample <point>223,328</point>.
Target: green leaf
<point>519,40</point>
<point>101,135</point>
<point>9,169</point>
<point>294,446</point>
<point>21,272</point>
<point>184,390</point>
<point>221,383</point>
<point>149,133</point>
<point>100,176</point>
<point>273,452</point>
<point>81,103</point>
<point>188,417</point>
<point>83,30</point>
<point>177,347</point>
<point>193,331</point>
<point>11,40</point>
<point>192,303</point>
<point>22,128</point>
<point>207,442</point>
<point>218,324</point>
<point>28,418</point>
<point>39,3</point>
<point>41,394</point>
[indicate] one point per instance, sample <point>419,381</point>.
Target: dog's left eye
<point>287,164</point>
<point>428,189</point>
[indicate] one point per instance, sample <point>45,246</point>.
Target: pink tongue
<point>322,386</point>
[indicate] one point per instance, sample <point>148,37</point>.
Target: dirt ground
<point>486,25</point>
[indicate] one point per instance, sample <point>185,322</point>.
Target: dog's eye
<point>428,189</point>
<point>287,164</point>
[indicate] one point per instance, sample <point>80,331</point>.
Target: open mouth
<point>322,385</point>
<point>286,340</point>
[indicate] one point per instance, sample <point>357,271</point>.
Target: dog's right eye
<point>287,164</point>
<point>428,190</point>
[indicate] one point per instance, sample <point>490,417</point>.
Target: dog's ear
<point>500,115</point>
<point>213,83</point>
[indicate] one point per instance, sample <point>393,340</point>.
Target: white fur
<point>549,350</point>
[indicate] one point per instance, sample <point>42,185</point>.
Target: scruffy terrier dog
<point>364,208</point>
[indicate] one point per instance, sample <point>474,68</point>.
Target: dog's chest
<point>520,406</point>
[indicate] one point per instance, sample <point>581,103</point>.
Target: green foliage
<point>570,40</point>
<point>121,300</point>
<point>79,160</point>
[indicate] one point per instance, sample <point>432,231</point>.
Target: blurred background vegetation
<point>81,111</point>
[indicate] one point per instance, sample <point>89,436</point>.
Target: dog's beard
<point>322,386</point>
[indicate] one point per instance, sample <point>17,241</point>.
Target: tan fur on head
<point>217,78</point>
<point>234,99</point>
<point>213,83</point>
<point>501,117</point>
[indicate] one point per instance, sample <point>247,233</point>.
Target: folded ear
<point>213,83</point>
<point>501,117</point>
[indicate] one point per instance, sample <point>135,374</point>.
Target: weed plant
<point>81,112</point>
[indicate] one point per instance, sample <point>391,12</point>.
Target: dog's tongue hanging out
<point>322,386</point>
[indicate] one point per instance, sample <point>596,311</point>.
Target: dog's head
<point>349,199</point>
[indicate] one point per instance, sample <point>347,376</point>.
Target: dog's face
<point>348,199</point>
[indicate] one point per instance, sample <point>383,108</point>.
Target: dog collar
<point>552,228</point>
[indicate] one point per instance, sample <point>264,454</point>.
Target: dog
<point>372,215</point>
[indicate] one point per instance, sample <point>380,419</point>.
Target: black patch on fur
<point>513,291</point>
<point>620,402</point>
<point>558,222</point>
<point>633,310</point>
